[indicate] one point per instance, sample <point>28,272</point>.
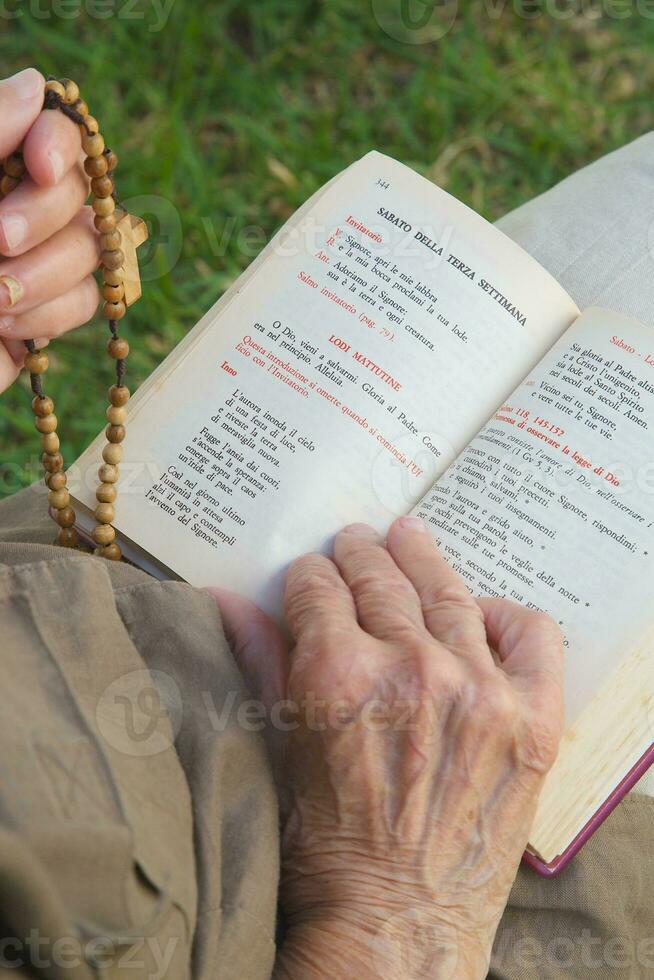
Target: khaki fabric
<point>596,920</point>
<point>138,822</point>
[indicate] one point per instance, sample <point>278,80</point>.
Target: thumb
<point>21,101</point>
<point>257,645</point>
<point>262,656</point>
<point>530,648</point>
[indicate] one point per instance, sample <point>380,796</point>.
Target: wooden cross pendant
<point>133,232</point>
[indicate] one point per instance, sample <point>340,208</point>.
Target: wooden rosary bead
<point>81,107</point>
<point>42,405</point>
<point>59,498</point>
<point>104,534</point>
<point>91,125</point>
<point>52,85</point>
<point>37,362</point>
<point>65,517</point>
<point>105,513</point>
<point>104,206</point>
<point>115,433</point>
<point>112,260</point>
<point>52,462</point>
<point>71,91</point>
<point>50,442</point>
<point>102,186</point>
<point>56,481</point>
<point>113,294</point>
<point>111,552</point>
<point>108,473</point>
<point>9,184</point>
<point>112,277</point>
<point>106,223</point>
<point>118,348</point>
<point>116,414</point>
<point>93,145</point>
<point>112,160</point>
<point>67,537</point>
<point>114,311</point>
<point>119,394</point>
<point>112,453</point>
<point>14,165</point>
<point>45,423</point>
<point>95,166</point>
<point>106,493</point>
<point>112,241</point>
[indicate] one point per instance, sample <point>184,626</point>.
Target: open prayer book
<point>390,352</point>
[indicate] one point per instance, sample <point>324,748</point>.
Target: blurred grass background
<point>227,115</point>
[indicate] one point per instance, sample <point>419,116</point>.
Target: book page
<point>552,504</point>
<point>341,378</point>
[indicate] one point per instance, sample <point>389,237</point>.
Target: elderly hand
<point>428,721</point>
<point>46,236</point>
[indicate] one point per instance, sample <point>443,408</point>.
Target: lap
<point>134,808</point>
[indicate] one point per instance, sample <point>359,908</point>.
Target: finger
<point>52,268</point>
<point>21,101</point>
<point>387,604</point>
<point>449,610</point>
<point>55,317</point>
<point>30,214</point>
<point>319,606</point>
<point>257,644</point>
<point>9,368</point>
<point>529,644</point>
<point>18,350</point>
<point>51,148</point>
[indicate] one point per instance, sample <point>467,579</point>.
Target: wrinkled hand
<point>428,721</point>
<point>47,238</point>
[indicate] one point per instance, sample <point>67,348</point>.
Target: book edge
<point>550,869</point>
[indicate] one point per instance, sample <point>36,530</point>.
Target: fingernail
<point>6,324</point>
<point>413,523</point>
<point>27,84</point>
<point>363,529</point>
<point>14,291</point>
<point>13,230</point>
<point>57,165</point>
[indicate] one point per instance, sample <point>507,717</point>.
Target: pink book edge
<point>555,867</point>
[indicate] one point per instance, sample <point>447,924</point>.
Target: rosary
<point>120,236</point>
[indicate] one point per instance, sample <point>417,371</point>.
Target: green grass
<point>235,112</point>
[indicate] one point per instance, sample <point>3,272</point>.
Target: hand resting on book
<point>47,238</point>
<point>422,725</point>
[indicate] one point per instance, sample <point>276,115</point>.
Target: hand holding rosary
<point>120,236</point>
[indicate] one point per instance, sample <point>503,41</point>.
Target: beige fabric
<point>596,920</point>
<point>133,808</point>
<point>594,231</point>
